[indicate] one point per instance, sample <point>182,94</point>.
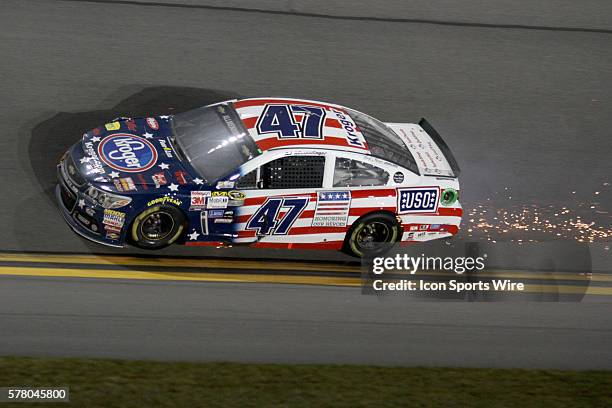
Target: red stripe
<point>332,123</point>
<point>453,229</point>
<point>450,212</point>
<point>245,103</point>
<point>300,231</point>
<point>272,142</point>
<point>261,200</point>
<point>250,122</point>
<point>385,192</point>
<point>358,212</point>
<point>206,243</point>
<point>300,245</point>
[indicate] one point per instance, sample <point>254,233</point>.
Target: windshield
<point>383,142</point>
<point>213,140</point>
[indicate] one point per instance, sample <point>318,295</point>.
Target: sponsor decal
<point>128,153</point>
<point>198,200</point>
<point>423,227</point>
<point>417,200</point>
<point>223,220</point>
<point>159,179</point>
<point>434,227</point>
<point>236,195</point>
<point>113,126</point>
<point>131,125</point>
<point>216,214</point>
<point>219,193</point>
<point>152,123</point>
<point>113,218</point>
<point>167,149</point>
<point>90,211</point>
<point>225,184</point>
<point>93,161</point>
<point>414,227</point>
<point>164,200</point>
<point>143,181</point>
<point>112,235</point>
<point>217,202</point>
<point>83,220</point>
<point>332,209</point>
<point>398,177</point>
<point>353,138</point>
<point>124,184</point>
<point>181,177</point>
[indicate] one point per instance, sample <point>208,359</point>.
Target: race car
<point>265,172</point>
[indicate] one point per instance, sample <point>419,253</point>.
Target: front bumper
<point>84,217</point>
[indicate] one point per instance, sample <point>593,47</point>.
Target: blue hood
<point>129,152</point>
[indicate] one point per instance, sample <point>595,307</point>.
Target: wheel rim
<point>373,235</point>
<point>157,226</point>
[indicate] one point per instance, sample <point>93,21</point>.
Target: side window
<point>294,172</point>
<point>248,181</point>
<point>353,173</point>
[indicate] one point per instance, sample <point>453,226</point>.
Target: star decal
<point>164,166</point>
<point>148,135</point>
<point>113,174</point>
<point>173,187</point>
<point>198,180</point>
<point>194,235</point>
<point>95,139</point>
<point>81,203</point>
<point>85,159</point>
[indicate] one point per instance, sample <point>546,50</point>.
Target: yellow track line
<point>119,260</point>
<point>175,262</point>
<point>220,277</point>
<point>177,276</point>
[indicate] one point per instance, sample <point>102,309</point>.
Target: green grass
<point>143,384</point>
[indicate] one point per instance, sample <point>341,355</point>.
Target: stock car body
<point>266,172</point>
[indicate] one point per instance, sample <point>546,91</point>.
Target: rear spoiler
<point>426,126</point>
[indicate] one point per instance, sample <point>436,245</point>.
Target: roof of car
<point>283,123</point>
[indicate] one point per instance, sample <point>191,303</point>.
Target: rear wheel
<point>157,227</point>
<point>372,235</point>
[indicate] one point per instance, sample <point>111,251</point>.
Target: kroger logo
<point>127,152</point>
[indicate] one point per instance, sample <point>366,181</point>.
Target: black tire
<point>157,227</point>
<point>372,235</point>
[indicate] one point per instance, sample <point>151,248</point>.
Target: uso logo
<point>417,200</point>
<point>128,153</point>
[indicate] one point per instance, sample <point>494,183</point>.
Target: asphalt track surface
<point>525,109</point>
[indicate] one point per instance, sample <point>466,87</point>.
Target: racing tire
<point>372,235</point>
<point>157,227</point>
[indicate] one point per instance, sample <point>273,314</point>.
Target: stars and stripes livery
<point>298,174</point>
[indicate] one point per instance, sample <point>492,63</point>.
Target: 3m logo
<point>417,200</point>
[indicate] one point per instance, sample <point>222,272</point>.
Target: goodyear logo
<point>165,200</point>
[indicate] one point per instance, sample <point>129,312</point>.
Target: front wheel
<point>157,227</point>
<point>372,235</point>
